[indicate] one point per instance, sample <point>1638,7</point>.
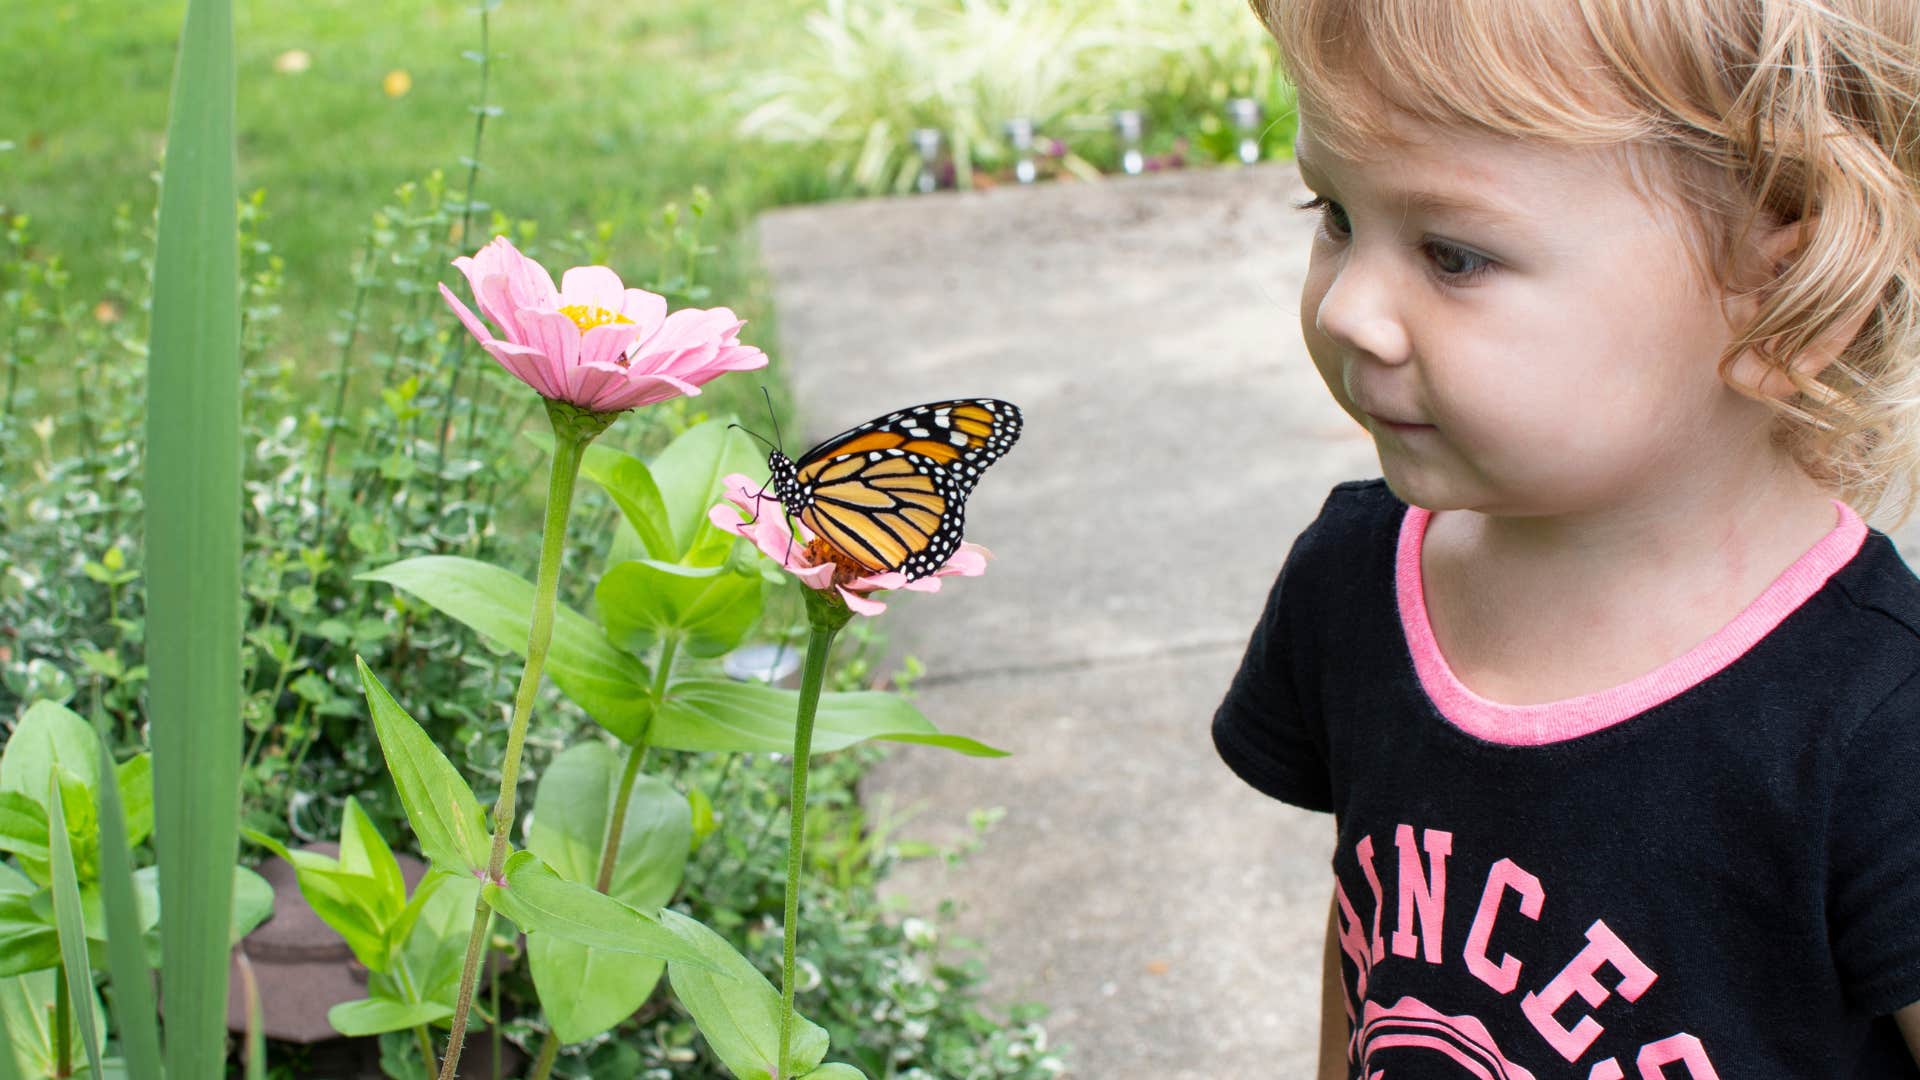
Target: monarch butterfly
<point>891,494</point>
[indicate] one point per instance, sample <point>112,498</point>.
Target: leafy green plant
<point>872,71</point>
<point>70,904</point>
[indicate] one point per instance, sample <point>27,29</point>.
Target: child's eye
<point>1333,216</point>
<point>1456,263</point>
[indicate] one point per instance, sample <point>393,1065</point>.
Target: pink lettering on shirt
<point>1504,875</point>
<point>1604,949</point>
<point>1422,893</point>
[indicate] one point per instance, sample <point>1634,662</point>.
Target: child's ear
<point>1749,374</point>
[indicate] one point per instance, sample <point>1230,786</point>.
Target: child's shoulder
<point>1357,527</point>
<point>1357,501</point>
<point>1353,510</point>
<point>1878,585</point>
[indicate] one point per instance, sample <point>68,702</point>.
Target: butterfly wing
<point>891,493</point>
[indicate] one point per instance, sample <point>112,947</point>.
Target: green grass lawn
<point>609,112</point>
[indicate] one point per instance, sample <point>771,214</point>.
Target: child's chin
<point>1419,483</point>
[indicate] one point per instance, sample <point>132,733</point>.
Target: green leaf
<point>9,1046</point>
<point>252,904</point>
<point>611,685</point>
<point>434,946</point>
<point>360,906</point>
<point>134,779</point>
<point>541,902</point>
<point>721,715</point>
<point>26,1011</point>
<point>71,924</point>
<point>710,609</point>
<point>23,828</point>
<point>133,1003</point>
<point>374,1016</point>
<point>627,479</point>
<point>28,942</point>
<point>192,499</point>
<point>835,1071</point>
<point>690,474</point>
<point>737,1009</point>
<point>441,808</point>
<point>402,927</point>
<point>83,825</point>
<point>585,991</point>
<point>364,852</point>
<point>48,736</point>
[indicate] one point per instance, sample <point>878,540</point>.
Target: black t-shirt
<point>1712,871</point>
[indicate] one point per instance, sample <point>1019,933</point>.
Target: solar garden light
<point>1126,125</point>
<point>1245,114</point>
<point>1020,134</point>
<point>927,142</point>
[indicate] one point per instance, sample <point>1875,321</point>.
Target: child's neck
<point>1542,608</point>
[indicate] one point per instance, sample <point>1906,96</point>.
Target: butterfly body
<point>891,493</point>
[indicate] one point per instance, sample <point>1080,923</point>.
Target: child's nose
<point>1358,312</point>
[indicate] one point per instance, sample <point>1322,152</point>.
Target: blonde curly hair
<point>1749,115</point>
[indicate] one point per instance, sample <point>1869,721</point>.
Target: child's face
<point>1547,348</point>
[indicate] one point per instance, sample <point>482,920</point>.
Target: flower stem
<point>636,760</point>
<point>573,429</point>
<point>824,618</point>
<point>543,1065</point>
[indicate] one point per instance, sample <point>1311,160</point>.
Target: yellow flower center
<point>586,316</point>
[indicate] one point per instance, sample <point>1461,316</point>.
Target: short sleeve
<point>1261,729</point>
<point>1873,843</point>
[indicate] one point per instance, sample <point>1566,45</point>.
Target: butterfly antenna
<point>755,434</point>
<point>778,438</point>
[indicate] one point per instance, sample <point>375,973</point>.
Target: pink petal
<point>642,389</point>
<point>530,366</point>
<point>529,283</point>
<point>595,286</point>
<point>594,387</point>
<point>495,297</point>
<point>607,344</point>
<point>643,307</point>
<point>553,334</point>
<point>861,605</point>
<point>693,327</point>
<point>467,318</point>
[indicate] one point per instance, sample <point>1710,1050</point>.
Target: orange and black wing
<point>891,493</point>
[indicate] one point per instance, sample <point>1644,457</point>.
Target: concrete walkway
<point>1177,439</point>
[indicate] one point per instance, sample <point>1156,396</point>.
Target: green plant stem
<point>543,1065</point>
<point>824,618</point>
<point>493,1029</point>
<point>616,825</point>
<point>341,374</point>
<point>479,128</point>
<point>425,1039</point>
<point>573,429</point>
<point>636,760</point>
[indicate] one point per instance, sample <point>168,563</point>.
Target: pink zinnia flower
<point>818,564</point>
<point>591,342</point>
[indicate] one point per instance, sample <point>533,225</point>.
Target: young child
<point>1613,696</point>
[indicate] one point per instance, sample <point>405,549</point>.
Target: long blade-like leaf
<point>126,958</point>
<point>70,923</point>
<point>193,541</point>
<point>9,1066</point>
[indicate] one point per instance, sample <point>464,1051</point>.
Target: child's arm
<point>1333,1013</point>
<point>1909,1021</point>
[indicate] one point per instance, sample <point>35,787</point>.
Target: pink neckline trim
<point>1555,721</point>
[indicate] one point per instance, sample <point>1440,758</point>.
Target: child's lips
<point>1399,426</point>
